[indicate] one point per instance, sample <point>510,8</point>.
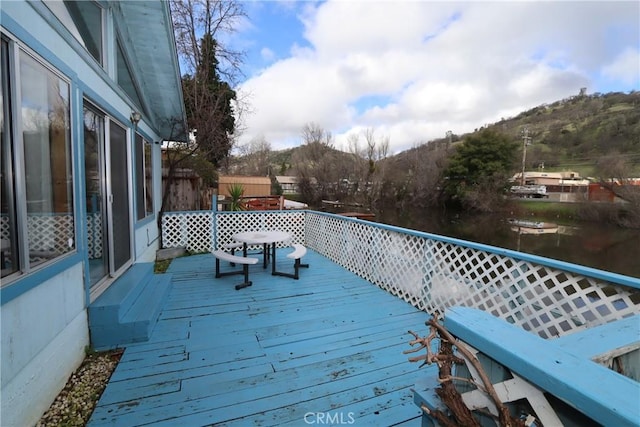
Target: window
<point>37,181</point>
<point>84,20</point>
<point>8,235</point>
<point>125,79</point>
<point>144,177</point>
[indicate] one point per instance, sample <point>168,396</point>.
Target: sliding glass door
<point>119,196</point>
<point>107,195</point>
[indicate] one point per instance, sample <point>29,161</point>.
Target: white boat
<point>292,204</point>
<point>533,227</point>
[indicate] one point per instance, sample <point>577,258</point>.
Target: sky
<point>413,70</point>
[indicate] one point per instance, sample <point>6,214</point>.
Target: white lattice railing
<point>544,296</point>
<point>194,230</point>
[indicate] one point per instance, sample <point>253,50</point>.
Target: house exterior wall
<point>43,347</point>
<point>146,240</point>
<point>599,193</point>
<point>288,184</point>
<point>44,311</point>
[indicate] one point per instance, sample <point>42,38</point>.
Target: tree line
<point>470,172</point>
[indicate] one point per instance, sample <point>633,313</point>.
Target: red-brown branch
<point>445,358</point>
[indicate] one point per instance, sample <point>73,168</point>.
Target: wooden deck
<point>325,349</point>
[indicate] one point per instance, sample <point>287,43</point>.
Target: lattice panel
<point>427,272</point>
<point>189,229</point>
<point>229,223</point>
<point>195,231</point>
<point>50,233</point>
<point>5,231</point>
<point>94,235</point>
<point>433,274</point>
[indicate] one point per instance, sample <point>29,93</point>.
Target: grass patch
<point>620,107</point>
<point>548,210</point>
<point>162,266</point>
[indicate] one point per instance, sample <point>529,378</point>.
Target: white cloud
<point>625,67</point>
<point>267,54</point>
<point>413,70</point>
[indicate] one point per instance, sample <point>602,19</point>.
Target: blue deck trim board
<point>605,396</point>
<point>601,339</point>
<point>128,310</point>
<point>329,343</point>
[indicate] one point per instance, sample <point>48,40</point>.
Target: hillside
<point>569,134</point>
<point>573,134</point>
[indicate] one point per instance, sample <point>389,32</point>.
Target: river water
<point>600,246</point>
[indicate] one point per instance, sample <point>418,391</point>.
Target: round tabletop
<point>261,237</point>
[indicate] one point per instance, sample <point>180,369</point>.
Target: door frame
<point>107,213</point>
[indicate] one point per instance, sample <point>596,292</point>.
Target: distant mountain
<point>569,134</point>
<point>574,133</point>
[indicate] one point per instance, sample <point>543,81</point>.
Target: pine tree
<point>208,102</point>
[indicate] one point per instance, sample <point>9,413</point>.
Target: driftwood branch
<point>445,358</point>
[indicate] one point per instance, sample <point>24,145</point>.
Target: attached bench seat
<point>234,259</point>
<point>298,252</point>
<point>232,247</point>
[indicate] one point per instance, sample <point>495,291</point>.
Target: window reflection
<point>125,77</point>
<point>144,174</point>
<point>8,236</point>
<point>47,161</point>
<point>148,179</point>
<point>84,20</point>
<point>94,130</point>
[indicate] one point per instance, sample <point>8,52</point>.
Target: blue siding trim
<point>79,185</point>
<point>34,279</point>
<point>27,39</point>
<point>102,104</point>
<point>553,263</point>
<point>63,32</point>
<point>145,135</point>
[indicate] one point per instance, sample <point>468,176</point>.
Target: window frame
<point>143,186</point>
<point>59,9</point>
<point>14,95</point>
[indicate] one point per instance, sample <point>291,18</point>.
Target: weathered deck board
<point>271,354</point>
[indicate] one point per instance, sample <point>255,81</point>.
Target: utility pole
<point>526,139</point>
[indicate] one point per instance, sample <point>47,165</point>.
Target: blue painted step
<point>128,310</point>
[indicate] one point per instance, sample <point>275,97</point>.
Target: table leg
<point>265,251</point>
<point>273,258</point>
